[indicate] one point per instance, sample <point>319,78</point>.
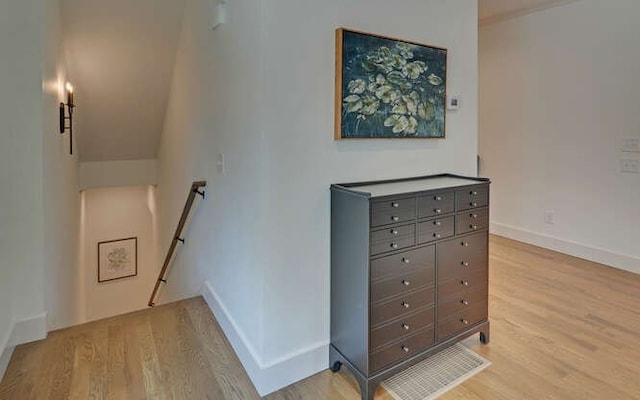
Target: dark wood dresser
<point>409,272</point>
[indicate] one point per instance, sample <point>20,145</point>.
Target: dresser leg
<point>335,367</point>
<point>368,389</point>
<point>338,362</point>
<point>371,390</point>
<point>364,391</point>
<point>484,334</point>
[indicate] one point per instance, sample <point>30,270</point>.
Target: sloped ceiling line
<point>492,11</point>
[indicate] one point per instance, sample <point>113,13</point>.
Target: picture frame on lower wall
<point>388,88</point>
<point>117,259</point>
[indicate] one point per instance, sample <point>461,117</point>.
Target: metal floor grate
<point>432,377</point>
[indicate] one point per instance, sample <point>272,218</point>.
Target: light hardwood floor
<point>562,328</point>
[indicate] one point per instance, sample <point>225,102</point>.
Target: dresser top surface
<point>389,188</point>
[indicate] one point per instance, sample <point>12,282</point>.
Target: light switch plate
<point>453,102</point>
<point>630,144</point>
<point>630,166</point>
<point>220,163</point>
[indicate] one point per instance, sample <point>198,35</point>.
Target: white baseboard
<point>5,357</point>
<point>23,331</point>
<point>5,352</point>
<point>29,330</point>
<point>266,377</point>
<point>595,254</point>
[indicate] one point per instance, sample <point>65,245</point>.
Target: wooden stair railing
<point>195,190</point>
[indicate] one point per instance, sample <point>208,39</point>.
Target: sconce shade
<point>69,88</point>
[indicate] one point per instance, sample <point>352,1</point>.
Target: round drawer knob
<point>465,302</point>
<point>473,215</point>
<point>437,223</point>
<point>437,211</point>
<point>395,219</point>
<point>464,283</point>
<point>464,264</point>
<point>393,232</point>
<point>438,198</point>
<point>406,260</point>
<point>405,349</point>
<point>405,327</point>
<point>405,304</point>
<point>436,235</point>
<point>464,321</point>
<point>474,227</point>
<point>406,282</point>
<point>394,245</point>
<point>473,204</point>
<point>464,244</point>
<point>395,204</point>
<point>473,193</point>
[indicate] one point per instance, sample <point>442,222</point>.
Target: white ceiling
<point>493,10</point>
<point>120,56</point>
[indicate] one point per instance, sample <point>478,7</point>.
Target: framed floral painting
<point>388,88</point>
<point>117,259</point>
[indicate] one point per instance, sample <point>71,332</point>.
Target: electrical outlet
<point>630,166</point>
<point>549,217</point>
<point>630,144</point>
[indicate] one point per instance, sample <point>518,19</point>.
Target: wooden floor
<point>562,328</point>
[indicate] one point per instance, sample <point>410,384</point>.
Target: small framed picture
<point>117,259</point>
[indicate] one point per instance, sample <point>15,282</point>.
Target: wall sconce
<point>67,108</point>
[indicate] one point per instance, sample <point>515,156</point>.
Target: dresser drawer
<point>472,220</point>
<point>473,197</point>
<point>435,229</point>
<point>393,211</point>
<point>401,306</point>
<point>402,263</point>
<point>390,239</point>
<point>461,321</point>
<point>435,204</point>
<point>457,256</point>
<point>402,349</point>
<point>402,283</point>
<point>462,300</point>
<point>402,327</point>
<point>463,269</point>
<point>464,282</point>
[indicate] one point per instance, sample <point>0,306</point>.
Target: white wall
<point>215,107</point>
<point>96,174</point>
<point>111,214</point>
<point>302,159</point>
<point>6,139</point>
<point>23,126</point>
<point>260,91</point>
<point>60,191</point>
<point>558,94</point>
<point>21,223</point>
<point>37,221</point>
